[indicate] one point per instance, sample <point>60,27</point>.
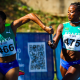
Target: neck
<point>75,22</point>
<point>2,29</point>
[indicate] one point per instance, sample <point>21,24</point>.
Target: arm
<point>57,37</point>
<point>17,23</point>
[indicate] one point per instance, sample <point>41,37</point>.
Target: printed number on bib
<point>70,42</point>
<point>7,48</point>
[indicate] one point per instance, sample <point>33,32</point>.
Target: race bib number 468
<point>7,48</point>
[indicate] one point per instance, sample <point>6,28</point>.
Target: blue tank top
<point>7,42</point>
<point>71,37</point>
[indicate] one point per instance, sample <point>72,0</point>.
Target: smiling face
<point>73,13</point>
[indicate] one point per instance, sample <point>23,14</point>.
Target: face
<point>73,14</point>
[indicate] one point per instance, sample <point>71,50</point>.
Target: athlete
<point>69,33</point>
<point>9,68</point>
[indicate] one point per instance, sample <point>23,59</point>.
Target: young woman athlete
<point>9,68</point>
<point>69,33</point>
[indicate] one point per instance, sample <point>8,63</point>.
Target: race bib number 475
<point>71,42</point>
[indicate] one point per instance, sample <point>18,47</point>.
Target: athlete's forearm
<point>34,18</point>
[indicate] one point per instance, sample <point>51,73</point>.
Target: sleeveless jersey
<point>7,42</point>
<point>71,37</point>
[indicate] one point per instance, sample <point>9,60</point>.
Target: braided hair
<point>76,4</point>
<point>2,15</point>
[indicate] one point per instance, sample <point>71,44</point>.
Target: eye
<point>72,11</point>
<point>68,11</point>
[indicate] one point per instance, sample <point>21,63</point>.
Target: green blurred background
<point>15,9</point>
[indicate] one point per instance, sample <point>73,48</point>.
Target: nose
<point>68,12</point>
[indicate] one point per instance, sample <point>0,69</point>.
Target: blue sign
<point>35,57</point>
<point>57,60</point>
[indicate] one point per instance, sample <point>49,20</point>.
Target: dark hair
<point>76,4</point>
<point>2,15</point>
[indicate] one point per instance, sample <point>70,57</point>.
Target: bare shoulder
<point>58,33</point>
<point>60,27</point>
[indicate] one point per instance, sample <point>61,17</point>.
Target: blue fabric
<point>5,67</point>
<point>66,64</point>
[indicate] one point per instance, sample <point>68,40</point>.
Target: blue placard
<point>57,60</point>
<point>35,57</point>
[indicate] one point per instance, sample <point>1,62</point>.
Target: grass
<point>55,77</point>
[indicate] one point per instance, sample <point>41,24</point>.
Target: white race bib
<point>71,42</point>
<point>7,48</point>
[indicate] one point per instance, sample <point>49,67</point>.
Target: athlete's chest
<point>7,43</point>
<point>7,35</point>
<point>71,38</point>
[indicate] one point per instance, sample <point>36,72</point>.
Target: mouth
<point>69,17</point>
